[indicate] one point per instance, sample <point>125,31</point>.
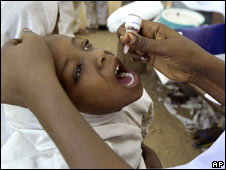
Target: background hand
<point>26,65</point>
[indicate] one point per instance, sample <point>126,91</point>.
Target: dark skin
<point>49,100</point>
<point>88,76</point>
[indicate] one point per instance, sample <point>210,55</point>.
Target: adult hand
<point>175,56</point>
<point>26,65</point>
<point>151,159</point>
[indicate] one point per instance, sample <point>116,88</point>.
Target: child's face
<point>88,76</point>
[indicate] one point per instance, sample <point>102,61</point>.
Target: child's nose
<point>100,58</point>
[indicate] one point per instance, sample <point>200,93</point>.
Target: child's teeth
<point>130,75</point>
<point>116,69</point>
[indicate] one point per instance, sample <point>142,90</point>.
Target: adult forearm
<point>150,157</point>
<point>76,140</point>
<point>211,78</point>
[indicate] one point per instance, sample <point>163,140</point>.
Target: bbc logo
<point>217,164</point>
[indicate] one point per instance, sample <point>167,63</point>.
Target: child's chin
<point>107,110</point>
<point>139,92</point>
<point>136,96</point>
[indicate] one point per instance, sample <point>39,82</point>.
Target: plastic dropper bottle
<point>133,23</point>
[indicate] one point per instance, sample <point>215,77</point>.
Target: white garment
<point>69,19</point>
<point>29,146</point>
<point>208,6</point>
<point>96,13</point>
<point>40,16</point>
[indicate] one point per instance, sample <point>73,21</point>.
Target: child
<point>100,87</point>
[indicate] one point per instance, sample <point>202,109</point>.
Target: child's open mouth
<point>125,77</point>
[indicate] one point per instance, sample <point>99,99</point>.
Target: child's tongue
<point>124,76</point>
<point>124,80</point>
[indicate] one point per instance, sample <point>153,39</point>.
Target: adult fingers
<point>144,44</point>
<point>121,30</point>
<point>140,53</point>
<point>12,42</point>
<point>8,44</point>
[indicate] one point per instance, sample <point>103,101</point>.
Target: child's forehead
<point>63,41</point>
<point>58,36</point>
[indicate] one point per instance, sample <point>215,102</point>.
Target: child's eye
<point>87,45</point>
<point>77,72</point>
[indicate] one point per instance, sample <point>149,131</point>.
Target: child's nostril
<point>103,59</point>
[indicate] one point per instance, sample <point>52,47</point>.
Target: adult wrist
<point>202,66</point>
<point>211,78</point>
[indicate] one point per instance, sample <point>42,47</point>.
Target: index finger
<point>121,30</point>
<point>12,42</point>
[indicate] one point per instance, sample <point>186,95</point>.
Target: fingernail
<point>27,29</point>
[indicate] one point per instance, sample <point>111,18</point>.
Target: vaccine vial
<point>133,23</point>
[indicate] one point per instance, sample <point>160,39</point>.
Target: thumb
<point>27,34</point>
<point>145,44</point>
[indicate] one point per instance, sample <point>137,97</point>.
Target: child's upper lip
<point>118,64</point>
<point>115,63</point>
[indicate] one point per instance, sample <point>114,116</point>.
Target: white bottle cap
<point>133,21</point>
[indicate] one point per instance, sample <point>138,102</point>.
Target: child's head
<point>89,77</point>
